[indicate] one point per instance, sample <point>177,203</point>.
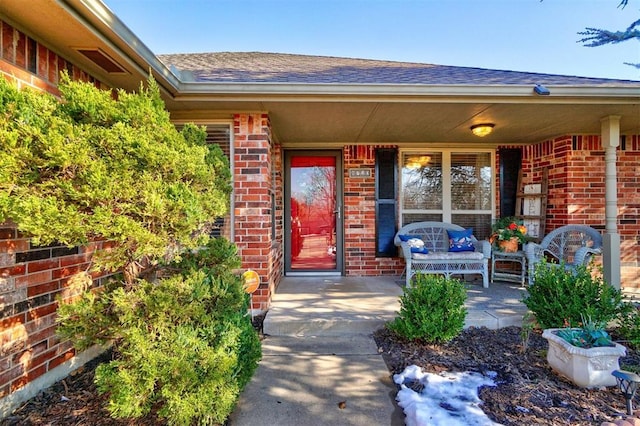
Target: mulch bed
<point>528,392</point>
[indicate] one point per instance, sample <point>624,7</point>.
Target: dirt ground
<point>528,392</point>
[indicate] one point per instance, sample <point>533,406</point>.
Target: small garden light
<point>628,383</point>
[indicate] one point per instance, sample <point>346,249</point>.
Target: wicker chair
<point>572,245</point>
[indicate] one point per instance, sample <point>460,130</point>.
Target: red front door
<point>313,212</point>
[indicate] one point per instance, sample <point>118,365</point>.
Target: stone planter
<point>587,368</point>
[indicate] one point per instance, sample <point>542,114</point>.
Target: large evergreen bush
<point>95,166</point>
<point>98,166</point>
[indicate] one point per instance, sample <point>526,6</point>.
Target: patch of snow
<point>447,399</point>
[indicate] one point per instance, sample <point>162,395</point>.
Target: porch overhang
<point>314,115</point>
<point>319,114</point>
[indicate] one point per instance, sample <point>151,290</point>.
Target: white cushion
<point>466,255</point>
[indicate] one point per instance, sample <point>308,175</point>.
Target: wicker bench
<point>439,260</point>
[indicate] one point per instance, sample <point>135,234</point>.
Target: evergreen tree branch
<point>598,37</point>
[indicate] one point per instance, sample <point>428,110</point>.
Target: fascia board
<point>412,93</point>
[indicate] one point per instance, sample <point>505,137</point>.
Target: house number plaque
<point>359,173</point>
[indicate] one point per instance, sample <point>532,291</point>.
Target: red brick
<point>12,271</point>
<point>12,321</point>
<point>42,311</point>
<point>33,279</point>
<point>42,265</point>
<point>21,50</point>
<point>12,374</point>
<point>45,288</point>
<point>8,52</point>
<point>13,246</point>
<point>38,337</point>
<point>31,375</point>
<point>61,359</point>
<point>4,390</point>
<point>43,61</point>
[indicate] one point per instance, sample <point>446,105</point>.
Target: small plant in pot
<point>508,234</point>
<point>580,296</point>
<point>586,355</point>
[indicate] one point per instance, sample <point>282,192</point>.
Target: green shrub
<point>94,167</point>
<point>629,325</point>
<point>184,344</point>
<point>560,297</point>
<point>431,310</point>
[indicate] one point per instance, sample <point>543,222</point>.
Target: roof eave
<point>112,31</point>
<point>350,92</point>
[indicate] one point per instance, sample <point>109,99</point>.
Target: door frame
<point>339,269</point>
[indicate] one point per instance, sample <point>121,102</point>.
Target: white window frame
<point>446,210</point>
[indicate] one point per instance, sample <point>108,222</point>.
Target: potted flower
<point>508,233</point>
<point>585,355</point>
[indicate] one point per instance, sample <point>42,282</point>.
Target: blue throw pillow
<point>461,240</point>
<point>406,237</point>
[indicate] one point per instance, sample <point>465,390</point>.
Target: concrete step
<point>283,325</point>
<point>332,306</point>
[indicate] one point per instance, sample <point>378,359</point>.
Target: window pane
<point>411,218</point>
<point>422,181</point>
<point>471,181</point>
<point>481,224</point>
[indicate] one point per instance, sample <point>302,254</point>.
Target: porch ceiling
<point>313,124</point>
<point>318,114</point>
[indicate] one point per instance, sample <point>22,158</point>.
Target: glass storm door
<point>313,212</point>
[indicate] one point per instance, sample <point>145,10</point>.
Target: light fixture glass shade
<point>482,130</point>
<point>416,162</point>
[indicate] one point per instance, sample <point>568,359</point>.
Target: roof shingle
<point>258,67</point>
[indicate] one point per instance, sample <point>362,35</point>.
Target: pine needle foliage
<point>185,344</point>
<point>92,165</point>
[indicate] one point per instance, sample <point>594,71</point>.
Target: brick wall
<point>576,193</point>
<point>360,217</point>
<point>32,277</point>
<point>256,184</point>
<point>44,73</point>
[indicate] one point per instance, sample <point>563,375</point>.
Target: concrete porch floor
<point>320,365</point>
<point>333,306</point>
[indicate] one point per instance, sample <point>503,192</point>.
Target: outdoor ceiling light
<point>483,129</point>
<point>416,162</point>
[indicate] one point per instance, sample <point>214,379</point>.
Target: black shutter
<point>386,202</point>
<point>510,160</point>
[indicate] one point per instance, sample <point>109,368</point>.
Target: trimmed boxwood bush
<point>431,310</point>
<point>560,297</point>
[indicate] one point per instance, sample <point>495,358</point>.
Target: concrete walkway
<point>320,365</point>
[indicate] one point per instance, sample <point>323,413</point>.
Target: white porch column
<point>610,135</point>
